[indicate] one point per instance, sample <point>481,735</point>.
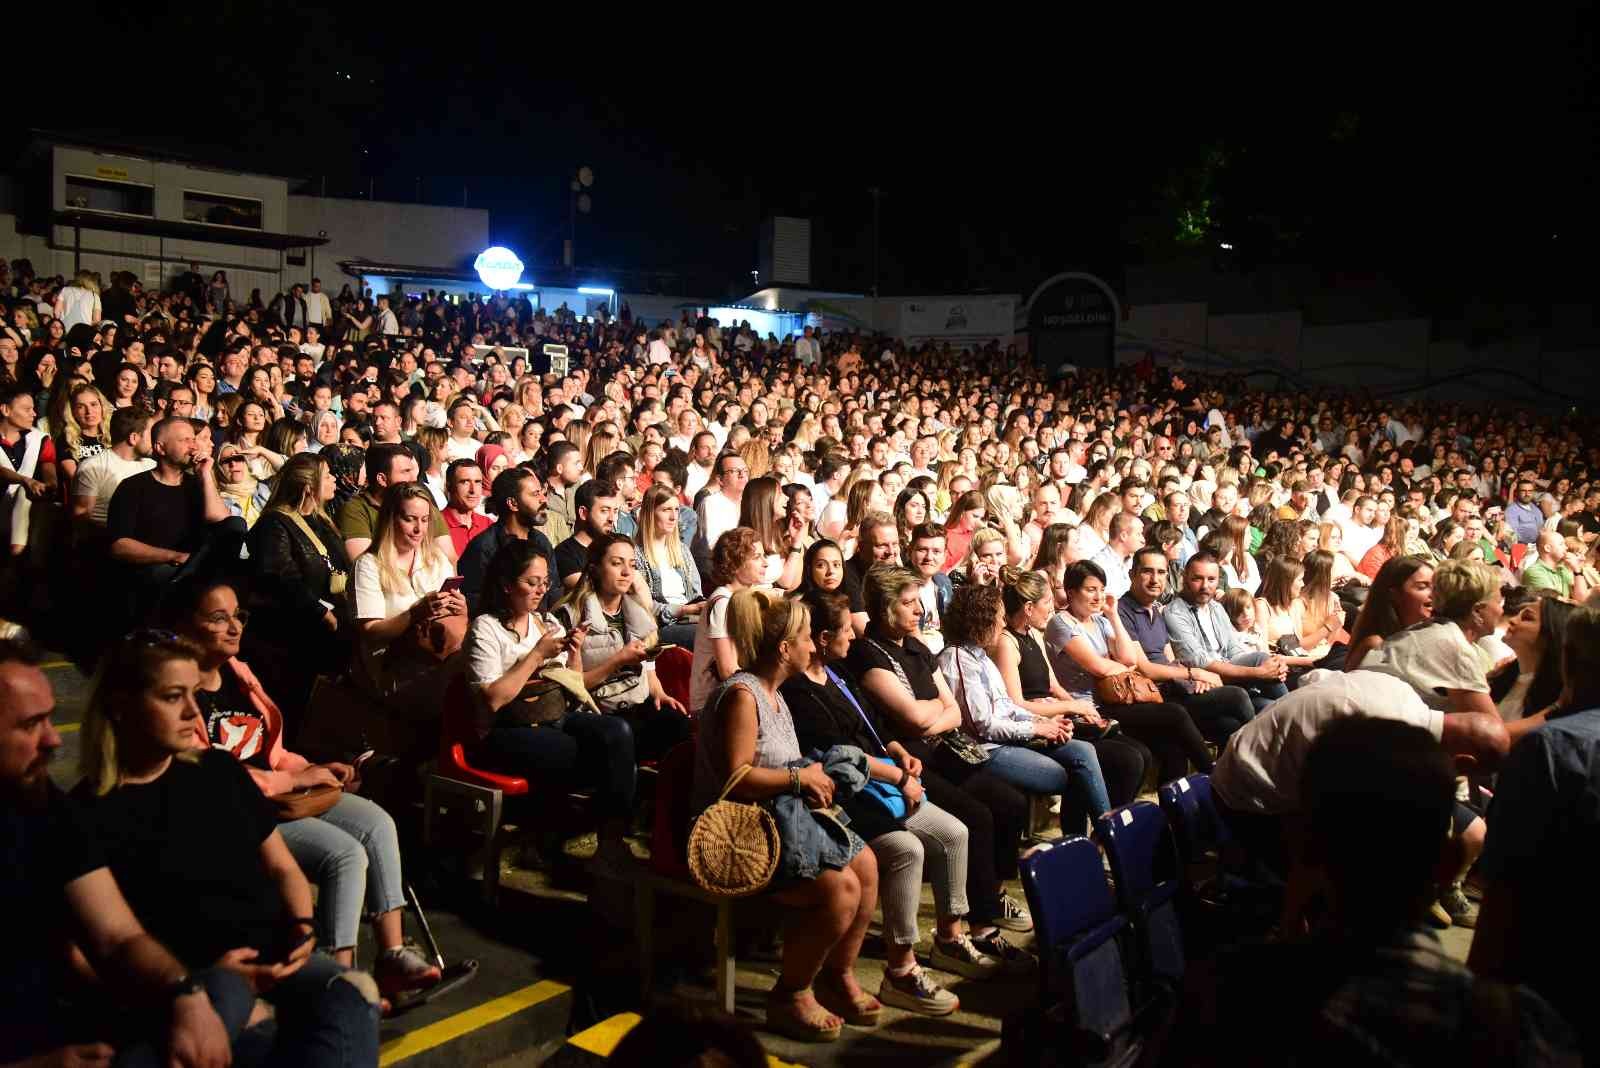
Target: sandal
<point>862,1010</point>
<point>785,1017</point>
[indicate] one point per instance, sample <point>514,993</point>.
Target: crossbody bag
<point>337,580</point>
<point>884,795</point>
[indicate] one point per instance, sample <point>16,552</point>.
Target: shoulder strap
<point>305,528</point>
<point>837,681</point>
<point>733,780</point>
<point>894,662</point>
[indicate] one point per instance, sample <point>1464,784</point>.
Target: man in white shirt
<point>1046,506</point>
<point>318,310</point>
<point>923,452</point>
<point>388,324</point>
<point>719,509</point>
<point>1360,532</point>
<point>806,349</point>
<point>702,457</point>
<point>1126,535</point>
<point>98,477</point>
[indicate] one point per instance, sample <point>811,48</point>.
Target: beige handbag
<point>733,845</point>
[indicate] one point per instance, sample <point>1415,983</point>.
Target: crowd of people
<point>921,586</point>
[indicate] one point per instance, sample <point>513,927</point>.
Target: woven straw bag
<point>733,846</point>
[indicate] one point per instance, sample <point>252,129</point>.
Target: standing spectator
<point>318,311</point>
<point>78,303</point>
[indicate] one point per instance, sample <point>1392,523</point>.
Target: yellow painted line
<point>603,1037</point>
<point>67,728</point>
<point>453,1027</point>
<point>51,665</point>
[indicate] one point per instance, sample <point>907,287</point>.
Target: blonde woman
<point>757,456</point>
<point>603,441</point>
<point>670,574</point>
<point>85,429</point>
<point>1004,506</point>
<point>985,557</point>
<point>79,301</point>
<point>405,618</point>
<point>1330,539</point>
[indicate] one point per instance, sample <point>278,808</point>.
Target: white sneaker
<point>961,957</point>
<point>916,992</point>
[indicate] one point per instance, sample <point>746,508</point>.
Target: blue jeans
<point>231,998</point>
<point>1070,769</point>
<point>581,749</point>
<point>352,853</point>
<point>1262,691</point>
<point>323,1020</point>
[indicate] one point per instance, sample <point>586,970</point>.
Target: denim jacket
<point>817,839</point>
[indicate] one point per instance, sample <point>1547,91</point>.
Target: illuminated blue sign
<point>498,267</point>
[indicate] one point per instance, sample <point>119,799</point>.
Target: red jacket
<point>280,780</point>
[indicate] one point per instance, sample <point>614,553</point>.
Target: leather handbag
<point>734,845</point>
<point>960,746</point>
<point>1127,688</point>
<point>307,803</point>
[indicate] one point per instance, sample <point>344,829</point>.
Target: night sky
<point>1457,162</point>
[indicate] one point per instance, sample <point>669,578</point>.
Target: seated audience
<point>170,814</point>
<point>351,851</point>
<point>747,722</point>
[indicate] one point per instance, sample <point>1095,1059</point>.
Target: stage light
<point>498,267</point>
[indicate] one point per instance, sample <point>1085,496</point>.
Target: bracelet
<point>794,782</point>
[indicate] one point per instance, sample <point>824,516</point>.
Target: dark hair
<point>1377,795</point>
<point>972,614</point>
<point>826,606</point>
<point>381,458</point>
<point>458,465</point>
<point>1149,550</point>
<point>585,496</point>
<point>1378,616</point>
<point>1204,556</point>
<point>509,561</point>
<point>507,485</point>
<point>125,422</point>
<point>1545,689</point>
<point>927,531</point>
<point>1080,572</point>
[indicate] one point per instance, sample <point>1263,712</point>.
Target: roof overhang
<point>183,231</point>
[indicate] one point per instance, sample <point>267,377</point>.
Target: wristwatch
<point>183,986</point>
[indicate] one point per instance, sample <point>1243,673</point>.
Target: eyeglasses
<point>538,584</point>
<point>220,619</point>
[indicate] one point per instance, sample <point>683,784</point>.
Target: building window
<point>214,209</point>
<point>98,194</point>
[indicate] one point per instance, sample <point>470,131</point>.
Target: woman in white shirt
<point>738,560</point>
<point>530,716</point>
<point>1237,563</point>
<point>408,622</point>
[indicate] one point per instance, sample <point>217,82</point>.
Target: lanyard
<point>837,681</point>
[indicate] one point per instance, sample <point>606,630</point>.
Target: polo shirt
<point>1147,626</point>
<point>1541,576</point>
<point>463,531</point>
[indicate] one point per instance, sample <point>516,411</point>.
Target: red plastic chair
<point>674,665</point>
<point>478,791</point>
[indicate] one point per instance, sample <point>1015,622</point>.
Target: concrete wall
<point>419,234</point>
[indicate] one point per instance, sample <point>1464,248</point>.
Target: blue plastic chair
<point>1197,830</point>
<point>1144,864</point>
<point>1076,925</point>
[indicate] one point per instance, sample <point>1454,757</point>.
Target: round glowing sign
<point>498,267</point>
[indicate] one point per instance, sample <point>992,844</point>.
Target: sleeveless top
<point>1033,670</point>
<point>776,742</point>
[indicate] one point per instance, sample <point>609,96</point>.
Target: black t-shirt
<point>147,510</point>
<point>872,651</point>
<point>42,849</point>
<point>823,716</point>
<point>569,559</point>
<point>186,850</point>
<point>850,585</point>
<point>233,723</point>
